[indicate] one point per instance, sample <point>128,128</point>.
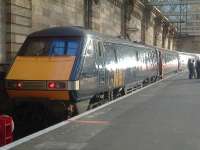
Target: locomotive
<point>71,69</point>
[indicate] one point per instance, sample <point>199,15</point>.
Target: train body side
<point>111,66</point>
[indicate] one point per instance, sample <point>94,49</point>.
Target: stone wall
<point>189,44</point>
<point>106,18</point>
<point>49,13</point>
<point>2,31</point>
<point>19,23</point>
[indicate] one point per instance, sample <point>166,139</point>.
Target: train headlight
<point>19,85</point>
<point>14,84</point>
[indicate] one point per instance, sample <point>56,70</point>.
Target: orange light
<point>51,85</point>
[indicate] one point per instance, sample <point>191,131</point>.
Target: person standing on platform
<point>197,67</point>
<point>194,71</point>
<point>191,69</point>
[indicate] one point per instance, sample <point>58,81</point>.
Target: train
<point>72,69</point>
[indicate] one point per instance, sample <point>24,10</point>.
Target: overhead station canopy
<point>185,14</point>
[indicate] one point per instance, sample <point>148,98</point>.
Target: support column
<point>165,35</point>
<point>157,31</point>
<point>172,45</point>
<point>88,14</point>
<point>144,24</point>
<point>127,10</point>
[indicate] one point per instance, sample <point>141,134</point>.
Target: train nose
<point>41,77</point>
<point>41,68</point>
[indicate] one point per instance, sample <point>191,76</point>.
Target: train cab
<point>45,65</point>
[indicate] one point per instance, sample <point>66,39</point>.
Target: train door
<point>157,62</point>
<point>160,64</point>
<point>111,62</point>
<point>100,65</point>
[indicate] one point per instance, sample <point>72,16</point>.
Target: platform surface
<point>165,116</point>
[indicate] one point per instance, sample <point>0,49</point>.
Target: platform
<point>163,116</point>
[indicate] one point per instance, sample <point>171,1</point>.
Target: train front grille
<point>39,85</point>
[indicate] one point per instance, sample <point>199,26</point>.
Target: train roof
<point>59,31</point>
<point>76,31</point>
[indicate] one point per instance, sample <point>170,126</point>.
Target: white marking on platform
<point>60,145</point>
<point>39,133</point>
<point>94,122</point>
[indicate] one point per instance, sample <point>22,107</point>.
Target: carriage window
<point>100,49</point>
<point>110,54</point>
<point>89,68</point>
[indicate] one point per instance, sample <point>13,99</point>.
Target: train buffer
<point>164,115</point>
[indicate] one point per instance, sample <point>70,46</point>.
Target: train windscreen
<point>50,47</point>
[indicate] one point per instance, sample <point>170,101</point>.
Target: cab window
<point>50,47</point>
<point>62,47</point>
<point>72,47</point>
<point>57,48</point>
